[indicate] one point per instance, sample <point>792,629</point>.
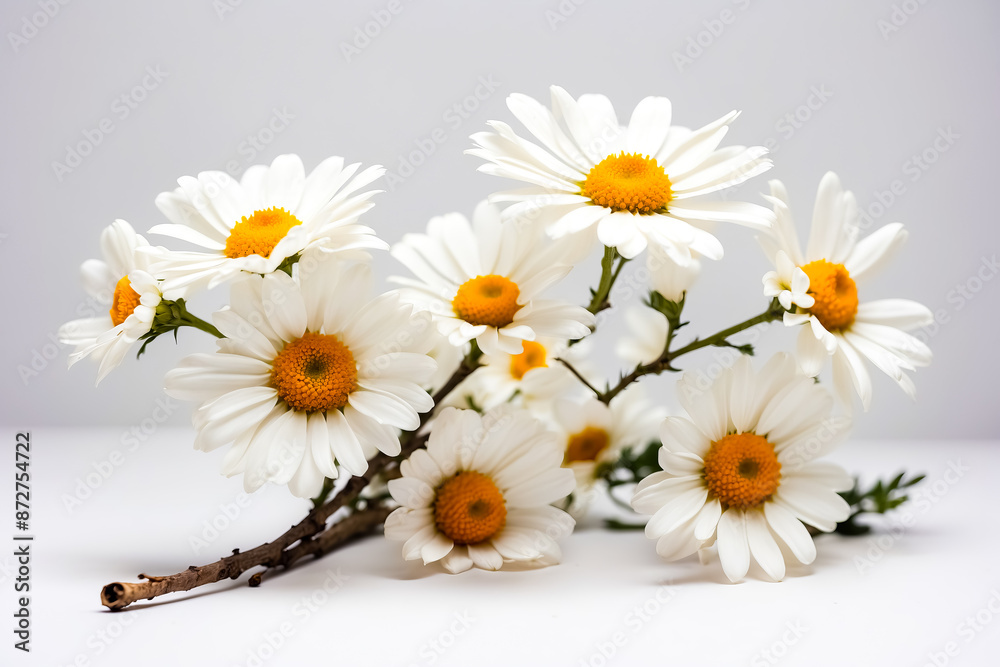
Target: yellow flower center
<point>532,356</point>
<point>123,302</point>
<point>586,445</point>
<point>489,300</point>
<point>469,508</point>
<point>315,373</point>
<point>258,234</point>
<point>742,470</point>
<point>835,293</point>
<point>628,182</point>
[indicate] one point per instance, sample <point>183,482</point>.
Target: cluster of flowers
<point>313,377</point>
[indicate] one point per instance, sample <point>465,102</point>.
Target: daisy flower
<point>594,433</point>
<point>481,281</point>
<point>480,495</point>
<point>646,338</point>
<point>640,184</point>
<point>531,379</point>
<point>448,356</point>
<point>124,282</point>
<point>647,327</point>
<point>313,374</point>
<point>670,278</point>
<point>742,471</point>
<point>819,289</point>
<point>269,216</point>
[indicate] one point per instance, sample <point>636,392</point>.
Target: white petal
<point>734,550</point>
<point>763,547</point>
<point>791,531</point>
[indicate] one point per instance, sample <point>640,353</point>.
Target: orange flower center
<point>742,470</point>
<point>258,234</point>
<point>315,373</point>
<point>835,293</point>
<point>628,182</point>
<point>489,300</point>
<point>586,445</point>
<point>469,508</point>
<point>123,302</point>
<point>532,356</point>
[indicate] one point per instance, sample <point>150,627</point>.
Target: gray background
<point>895,76</point>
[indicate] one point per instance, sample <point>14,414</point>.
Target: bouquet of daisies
<point>460,409</point>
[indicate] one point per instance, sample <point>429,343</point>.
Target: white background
<point>888,93</point>
<point>887,599</point>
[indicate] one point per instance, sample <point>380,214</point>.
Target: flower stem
<point>720,339</point>
<point>579,376</point>
<point>311,536</point>
<point>609,274</point>
<point>323,493</point>
<point>189,320</point>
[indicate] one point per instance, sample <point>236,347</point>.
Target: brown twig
<point>311,534</point>
<point>351,527</point>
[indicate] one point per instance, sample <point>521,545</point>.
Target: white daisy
<point>481,282</point>
<point>124,282</point>
<point>647,327</point>
<point>640,184</point>
<point>531,379</point>
<point>480,495</point>
<point>646,338</point>
<point>448,357</point>
<point>742,470</point>
<point>670,278</point>
<point>820,289</point>
<point>594,433</point>
<point>270,215</point>
<point>313,374</point>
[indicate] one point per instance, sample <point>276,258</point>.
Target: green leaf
<point>670,309</point>
<point>615,524</point>
<point>882,497</point>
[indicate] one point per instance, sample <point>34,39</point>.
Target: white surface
<point>888,94</point>
<point>911,601</point>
